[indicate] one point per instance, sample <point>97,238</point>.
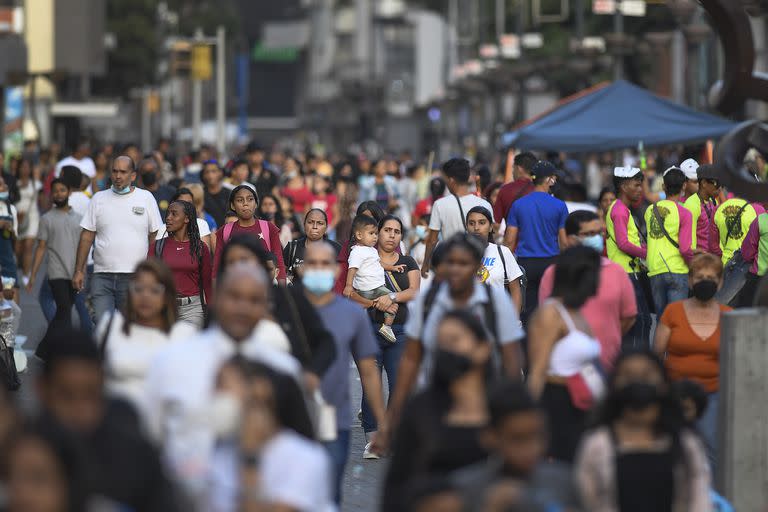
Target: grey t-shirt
<point>353,334</point>
<point>61,231</point>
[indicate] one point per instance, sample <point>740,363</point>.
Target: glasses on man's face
<point>155,290</point>
<point>714,183</point>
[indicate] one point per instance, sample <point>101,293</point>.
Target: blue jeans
<point>338,450</point>
<point>668,288</point>
<point>389,359</point>
<point>639,336</point>
<point>108,292</point>
<point>707,427</point>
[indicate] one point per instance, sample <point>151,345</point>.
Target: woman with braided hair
<point>188,258</point>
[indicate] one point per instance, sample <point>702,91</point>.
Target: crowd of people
<point>547,345</point>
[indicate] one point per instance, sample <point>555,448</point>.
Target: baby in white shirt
<point>366,272</point>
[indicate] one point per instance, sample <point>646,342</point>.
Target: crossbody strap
<point>736,220</point>
<point>503,264</point>
<point>461,211</point>
<point>660,220</point>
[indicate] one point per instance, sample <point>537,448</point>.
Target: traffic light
<point>181,58</point>
<point>202,67</point>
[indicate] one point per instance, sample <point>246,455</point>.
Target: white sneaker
<point>368,454</point>
<point>387,333</point>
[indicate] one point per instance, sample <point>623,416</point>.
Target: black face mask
<point>638,395</point>
<point>61,204</point>
<point>149,178</point>
<point>704,290</point>
<point>450,366</point>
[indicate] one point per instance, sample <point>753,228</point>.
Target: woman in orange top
<point>689,335</point>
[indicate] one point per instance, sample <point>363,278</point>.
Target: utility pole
<point>618,28</point>
<point>221,98</point>
<point>501,14</point>
<point>197,100</point>
<point>146,120</point>
<point>521,94</point>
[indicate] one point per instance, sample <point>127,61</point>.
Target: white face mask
<point>225,414</point>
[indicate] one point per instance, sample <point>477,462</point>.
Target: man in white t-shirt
<point>122,221</point>
<point>72,176</point>
<point>80,159</point>
<point>448,215</point>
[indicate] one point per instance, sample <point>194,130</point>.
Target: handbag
<point>587,386</point>
<point>8,371</point>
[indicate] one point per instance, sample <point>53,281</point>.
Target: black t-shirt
<point>163,196</point>
<point>401,278</point>
<point>293,254</point>
<point>217,205</point>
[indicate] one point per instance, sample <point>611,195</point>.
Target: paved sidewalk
<point>363,479</point>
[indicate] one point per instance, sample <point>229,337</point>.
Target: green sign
<point>263,54</point>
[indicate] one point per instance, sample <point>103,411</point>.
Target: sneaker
<point>368,454</point>
<point>387,333</point>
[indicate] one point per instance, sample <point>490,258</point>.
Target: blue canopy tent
<point>615,116</point>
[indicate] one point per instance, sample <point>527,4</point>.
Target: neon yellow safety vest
<point>725,216</point>
<point>762,248</point>
<point>662,255</point>
<point>615,254</point>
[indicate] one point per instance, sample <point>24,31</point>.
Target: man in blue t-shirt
<point>536,231</point>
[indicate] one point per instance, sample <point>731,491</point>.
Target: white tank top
<point>574,350</point>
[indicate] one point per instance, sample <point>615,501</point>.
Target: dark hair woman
<point>130,339</point>
<point>315,229</point>
<point>271,210</point>
<point>560,345</point>
<point>500,267</point>
<point>371,209</point>
<point>441,426</point>
<point>244,201</point>
<point>189,259</point>
<point>404,284</point>
<point>185,194</point>
<point>640,456</point>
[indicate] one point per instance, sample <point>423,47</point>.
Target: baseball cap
<point>689,168</point>
<point>708,172</point>
<point>542,169</point>
<point>626,171</point>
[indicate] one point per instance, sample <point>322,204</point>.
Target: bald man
<point>353,334</point>
<point>120,223</point>
<point>181,406</point>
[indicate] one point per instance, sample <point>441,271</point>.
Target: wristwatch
<point>392,296</point>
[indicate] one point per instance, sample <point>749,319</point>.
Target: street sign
<point>510,46</point>
<point>627,7</point>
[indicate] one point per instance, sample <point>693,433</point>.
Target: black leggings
<point>534,271</point>
<point>64,297</point>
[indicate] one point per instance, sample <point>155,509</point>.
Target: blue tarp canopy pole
<point>615,116</point>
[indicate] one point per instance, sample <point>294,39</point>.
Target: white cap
<point>626,171</point>
<point>689,168</point>
<point>671,169</point>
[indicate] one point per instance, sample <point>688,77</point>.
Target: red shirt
<point>508,194</point>
<point>324,203</point>
<point>299,196</point>
<point>255,230</point>
<point>185,268</point>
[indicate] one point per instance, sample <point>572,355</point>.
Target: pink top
<point>751,245</point>
<point>620,217</point>
<point>685,233</point>
<point>614,301</point>
<point>704,228</point>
